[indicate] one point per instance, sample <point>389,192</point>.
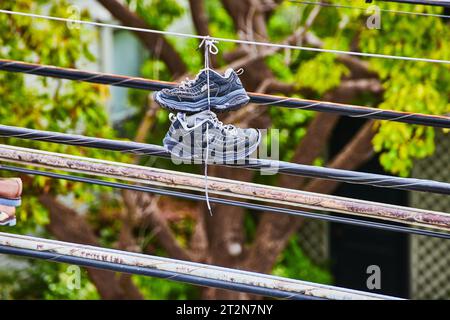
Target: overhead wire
<point>354,177</point>
<point>138,270</point>
<point>225,187</point>
<point>238,41</point>
<point>343,6</point>
<point>262,99</point>
<point>439,3</point>
<point>246,205</point>
<point>178,270</point>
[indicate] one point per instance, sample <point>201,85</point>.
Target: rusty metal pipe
<point>232,188</point>
<point>364,178</point>
<point>180,270</point>
<point>230,202</point>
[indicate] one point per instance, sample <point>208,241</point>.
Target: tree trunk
<point>67,225</point>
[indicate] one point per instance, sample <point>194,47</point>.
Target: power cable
<point>178,270</point>
<point>241,204</point>
<point>444,4</point>
<point>225,187</point>
<point>334,5</point>
<point>238,41</point>
<point>376,180</point>
<point>173,276</point>
<point>263,99</point>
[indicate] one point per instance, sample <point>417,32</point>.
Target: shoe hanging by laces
<point>210,48</point>
<point>186,83</point>
<point>228,127</point>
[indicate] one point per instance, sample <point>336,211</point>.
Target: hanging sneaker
<point>7,216</point>
<point>203,137</point>
<point>191,96</point>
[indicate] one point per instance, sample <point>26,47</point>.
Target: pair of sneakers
<point>196,133</point>
<point>10,192</point>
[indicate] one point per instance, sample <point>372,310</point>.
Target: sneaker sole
<point>231,101</point>
<point>230,157</point>
<point>10,202</point>
<point>9,223</point>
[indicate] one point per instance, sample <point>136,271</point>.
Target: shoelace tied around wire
<point>210,48</point>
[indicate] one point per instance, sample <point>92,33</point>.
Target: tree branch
<point>67,225</point>
<point>358,151</point>
<point>168,54</point>
<point>199,17</point>
<point>200,20</point>
<point>296,38</point>
<point>274,231</point>
<point>146,210</point>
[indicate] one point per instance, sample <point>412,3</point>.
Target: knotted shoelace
<point>210,48</point>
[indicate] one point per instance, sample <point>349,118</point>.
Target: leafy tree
<point>185,230</point>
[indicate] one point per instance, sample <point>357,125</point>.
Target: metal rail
<point>190,272</point>
<point>226,187</point>
<point>376,180</point>
<point>241,204</point>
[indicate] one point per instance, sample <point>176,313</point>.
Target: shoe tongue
<point>203,74</point>
<point>198,117</point>
<point>228,72</point>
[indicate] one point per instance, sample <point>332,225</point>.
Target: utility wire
<point>376,180</point>
<point>263,99</point>
<point>137,270</point>
<point>241,204</point>
<point>247,42</point>
<point>334,5</point>
<point>445,4</point>
<point>225,187</point>
<point>178,270</point>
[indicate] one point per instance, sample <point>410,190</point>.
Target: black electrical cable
<point>247,205</point>
<point>168,275</point>
<point>343,6</point>
<point>445,4</point>
<point>376,180</point>
<point>264,99</point>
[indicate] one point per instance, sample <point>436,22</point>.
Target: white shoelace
<point>210,48</point>
<point>228,127</point>
<point>186,83</point>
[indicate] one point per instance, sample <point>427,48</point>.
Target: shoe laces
<point>172,117</point>
<point>227,127</point>
<point>187,83</point>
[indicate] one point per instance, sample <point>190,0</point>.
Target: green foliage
<point>55,105</point>
<point>320,73</point>
<point>409,86</point>
<point>158,14</point>
<point>157,289</point>
<point>36,279</point>
<point>293,263</point>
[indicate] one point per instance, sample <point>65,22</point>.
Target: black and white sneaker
<point>203,137</point>
<point>191,96</point>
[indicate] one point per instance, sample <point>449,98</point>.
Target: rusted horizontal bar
<point>294,103</point>
<point>230,202</point>
<point>444,4</point>
<point>232,188</point>
<point>144,149</point>
<point>178,270</point>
